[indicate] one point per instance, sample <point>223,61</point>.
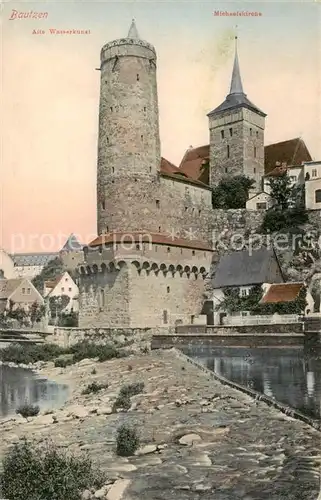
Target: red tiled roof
<point>144,236</point>
<point>292,152</point>
<point>167,169</point>
<point>193,163</point>
<point>283,292</point>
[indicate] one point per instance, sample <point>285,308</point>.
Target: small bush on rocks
<point>127,441</point>
<point>63,362</point>
<point>16,353</point>
<point>132,389</point>
<point>123,401</point>
<point>86,349</point>
<point>33,473</point>
<point>94,387</point>
<point>28,410</point>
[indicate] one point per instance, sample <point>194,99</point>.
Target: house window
<point>254,152</point>
<point>168,249</point>
<point>157,204</point>
<point>62,289</point>
<point>314,172</point>
<point>165,317</point>
<point>193,252</point>
<point>192,319</point>
<point>244,313</point>
<point>231,132</point>
<point>293,178</point>
<point>66,279</point>
<point>168,289</point>
<point>28,291</point>
<point>244,292</point>
<point>261,206</point>
<point>23,290</point>
<point>228,151</point>
<point>222,134</point>
<point>69,289</point>
<point>318,196</point>
<point>137,77</point>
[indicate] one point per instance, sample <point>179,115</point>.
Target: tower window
<point>185,209</point>
<point>111,108</point>
<point>103,205</point>
<point>228,151</point>
<point>168,249</point>
<point>144,108</point>
<point>157,204</point>
<point>113,170</point>
<point>142,137</point>
<point>193,252</point>
<point>226,170</point>
<point>250,131</point>
<point>168,289</point>
<point>135,179</point>
<point>222,134</point>
<point>257,134</point>
<point>254,170</point>
<point>231,132</point>
<point>165,317</point>
<point>138,246</point>
<point>159,229</point>
<point>137,77</point>
<point>107,229</point>
<point>254,152</point>
<point>150,169</point>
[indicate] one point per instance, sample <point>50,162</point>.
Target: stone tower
<point>128,141</point>
<point>237,135</point>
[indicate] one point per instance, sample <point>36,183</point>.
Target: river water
<point>290,375</point>
<point>18,385</point>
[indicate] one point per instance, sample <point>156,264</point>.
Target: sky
<point>50,95</point>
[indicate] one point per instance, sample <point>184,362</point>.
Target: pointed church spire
<point>236,82</point>
<point>133,33</point>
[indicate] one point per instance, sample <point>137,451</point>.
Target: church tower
<point>237,135</point>
<point>128,140</point>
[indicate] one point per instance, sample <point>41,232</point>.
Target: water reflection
<point>18,385</point>
<point>290,375</point>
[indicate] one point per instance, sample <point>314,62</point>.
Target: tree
<point>51,270</point>
<point>57,304</point>
<point>37,312</point>
<point>281,191</point>
<point>232,192</point>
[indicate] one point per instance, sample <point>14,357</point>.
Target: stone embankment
<point>199,439</point>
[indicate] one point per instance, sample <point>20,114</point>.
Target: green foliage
<point>94,387</point>
<point>127,441</point>
<point>123,402</point>
<point>28,353</point>
<point>57,304</point>
<point>232,192</point>
<point>233,302</point>
<point>37,312</point>
<point>87,349</point>
<point>17,313</point>
<point>288,212</point>
<point>28,410</point>
<point>34,473</point>
<point>69,320</point>
<point>49,272</point>
<point>132,389</point>
<point>63,362</point>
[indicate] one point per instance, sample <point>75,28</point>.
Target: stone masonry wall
<point>66,337</point>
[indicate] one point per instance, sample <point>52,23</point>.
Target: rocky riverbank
<point>199,438</point>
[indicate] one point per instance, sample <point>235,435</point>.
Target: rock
<point>105,410</point>
<point>101,493</point>
<point>122,468</point>
<point>78,411</point>
<point>43,420</point>
<point>149,448</point>
<point>86,495</point>
<point>117,490</point>
<point>201,487</point>
<point>189,439</point>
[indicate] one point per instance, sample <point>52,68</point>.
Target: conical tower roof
<point>236,98</point>
<point>133,33</point>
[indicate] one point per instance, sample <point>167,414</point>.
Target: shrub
<point>132,389</point>
<point>34,473</point>
<point>63,362</point>
<point>28,410</point>
<point>127,441</point>
<point>123,401</point>
<point>16,353</point>
<point>86,349</point>
<point>94,387</point>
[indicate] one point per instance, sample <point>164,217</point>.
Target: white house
<point>243,270</point>
<point>29,265</point>
<point>63,285</point>
<point>312,176</point>
<point>259,201</point>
